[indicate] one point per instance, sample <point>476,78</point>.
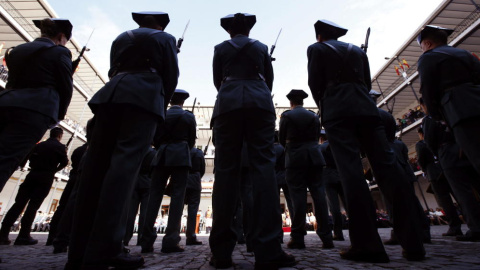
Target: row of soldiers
<point>130,114</point>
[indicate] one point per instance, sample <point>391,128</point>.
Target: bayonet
<point>180,40</point>
<point>365,46</point>
<point>193,107</point>
<point>272,49</point>
<point>80,56</point>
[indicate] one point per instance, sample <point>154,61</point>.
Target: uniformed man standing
<point>299,133</point>
<point>450,87</point>
<point>46,159</point>
<point>339,78</point>
<point>173,143</point>
<point>144,74</point>
<point>192,194</point>
<point>333,188</point>
<point>139,201</point>
<point>38,92</point>
<point>243,76</point>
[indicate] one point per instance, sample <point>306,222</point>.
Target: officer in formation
<point>299,133</point>
<point>37,94</point>
<point>458,170</point>
<point>441,189</point>
<point>333,187</point>
<point>174,142</point>
<point>46,159</point>
<point>339,79</point>
<point>139,199</point>
<point>192,194</point>
<point>144,74</point>
<point>244,111</point>
<point>450,87</point>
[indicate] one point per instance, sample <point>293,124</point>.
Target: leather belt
<point>233,78</point>
<point>146,70</point>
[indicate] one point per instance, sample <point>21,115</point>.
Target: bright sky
<point>392,23</point>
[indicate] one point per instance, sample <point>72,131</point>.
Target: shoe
<point>469,237</point>
<point>220,263</point>
<point>373,257</point>
<point>338,238</point>
<point>294,244</point>
<point>328,244</point>
<point>176,248</point>
<point>413,256</point>
<point>452,232</point>
<point>391,242</point>
<point>126,261</point>
<point>284,260</point>
<point>59,249</point>
<point>193,242</point>
<point>147,250</point>
<point>5,241</point>
<point>24,241</point>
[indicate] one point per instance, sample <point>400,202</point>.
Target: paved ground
<point>444,253</point>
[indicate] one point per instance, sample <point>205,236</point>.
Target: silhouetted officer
<point>243,76</point>
<point>140,198</point>
<point>192,194</point>
<point>144,74</point>
<point>46,159</point>
<point>339,78</point>
<point>37,94</point>
<point>172,160</point>
<point>450,87</point>
<point>299,133</point>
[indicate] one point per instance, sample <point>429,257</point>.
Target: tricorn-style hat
<point>226,22</point>
<point>63,26</point>
<point>180,94</point>
<point>297,94</point>
<point>329,28</point>
<point>430,29</point>
<point>161,17</point>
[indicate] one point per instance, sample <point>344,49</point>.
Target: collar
<point>44,39</point>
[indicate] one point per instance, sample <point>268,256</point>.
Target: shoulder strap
<point>343,57</point>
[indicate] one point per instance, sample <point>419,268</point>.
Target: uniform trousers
<point>20,130</point>
<point>442,191</point>
<point>120,139</point>
<point>298,180</point>
<point>178,182</point>
<point>192,199</point>
<point>467,136</point>
<point>256,127</point>
<point>33,191</point>
<point>348,137</point>
<point>334,190</point>
<point>139,200</point>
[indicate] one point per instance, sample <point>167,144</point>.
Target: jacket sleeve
<point>202,163</point>
<point>268,69</point>
<point>430,84</point>
<point>314,73</point>
<point>217,69</point>
<point>170,69</point>
<point>63,159</point>
<point>282,131</point>
<point>366,72</point>
<point>192,131</point>
<point>422,159</point>
<point>64,81</point>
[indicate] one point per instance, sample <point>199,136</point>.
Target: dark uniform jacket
<point>144,175</point>
<point>279,163</point>
<point>144,71</point>
<point>47,158</point>
<point>342,87</point>
<point>197,171</point>
<point>238,73</point>
<point>299,132</point>
<point>39,78</point>
<point>450,84</point>
<point>175,140</point>
<point>76,157</point>
<point>427,161</point>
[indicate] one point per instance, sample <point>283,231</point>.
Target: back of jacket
<point>40,78</point>
<point>143,70</point>
<point>49,155</point>
<point>341,88</point>
<point>244,87</point>
<point>197,171</point>
<point>299,132</point>
<point>175,140</point>
<point>450,83</point>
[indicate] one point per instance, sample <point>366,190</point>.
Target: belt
<point>146,70</point>
<point>300,141</point>
<point>233,78</point>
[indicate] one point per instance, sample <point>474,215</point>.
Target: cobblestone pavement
<point>444,253</point>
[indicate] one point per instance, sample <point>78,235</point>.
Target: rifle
<point>365,46</point>
<point>274,45</point>
<point>180,40</point>
<point>193,107</point>
<point>76,62</point>
<point>206,147</point>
